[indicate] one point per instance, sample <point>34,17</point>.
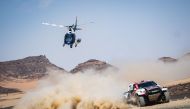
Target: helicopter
<point>70,37</point>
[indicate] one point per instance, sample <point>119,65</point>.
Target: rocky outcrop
<point>33,67</point>
<point>167,59</point>
<point>92,64</point>
<point>180,91</point>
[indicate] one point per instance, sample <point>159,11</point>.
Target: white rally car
<point>146,92</point>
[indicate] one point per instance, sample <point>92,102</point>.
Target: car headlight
<point>164,89</point>
<point>141,92</point>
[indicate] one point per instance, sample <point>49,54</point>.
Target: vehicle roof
<point>143,81</point>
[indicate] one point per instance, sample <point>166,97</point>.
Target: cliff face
<point>92,64</point>
<point>33,67</point>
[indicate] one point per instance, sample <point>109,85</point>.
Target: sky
<point>124,30</point>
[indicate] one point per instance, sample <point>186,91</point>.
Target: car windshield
<point>147,84</point>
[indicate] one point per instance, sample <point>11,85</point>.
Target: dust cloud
<point>158,71</point>
<point>98,90</point>
<point>88,90</point>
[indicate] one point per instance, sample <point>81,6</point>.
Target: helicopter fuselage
<point>70,38</point>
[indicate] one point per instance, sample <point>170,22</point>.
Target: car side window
<point>135,87</point>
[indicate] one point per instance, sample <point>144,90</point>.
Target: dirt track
<point>180,94</point>
<point>6,102</point>
<point>177,104</point>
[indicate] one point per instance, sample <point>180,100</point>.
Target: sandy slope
<point>21,85</point>
<point>182,81</point>
<point>10,99</point>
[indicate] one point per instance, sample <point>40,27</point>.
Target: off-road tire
<point>140,101</point>
<point>126,99</point>
<point>166,97</point>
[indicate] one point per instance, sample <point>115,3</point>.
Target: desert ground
<point>9,100</point>
<point>173,104</point>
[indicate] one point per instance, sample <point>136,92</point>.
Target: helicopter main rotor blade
<point>52,24</point>
<point>85,23</point>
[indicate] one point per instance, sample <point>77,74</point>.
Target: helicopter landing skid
<point>76,44</point>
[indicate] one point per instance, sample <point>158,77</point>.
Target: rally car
<point>146,92</point>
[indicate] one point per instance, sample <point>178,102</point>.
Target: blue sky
<point>123,29</point>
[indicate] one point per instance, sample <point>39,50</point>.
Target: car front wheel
<point>166,97</point>
<point>141,101</point>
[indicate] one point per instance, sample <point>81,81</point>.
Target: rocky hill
<point>167,59</point>
<point>180,91</point>
<point>92,64</point>
<point>172,60</point>
<point>33,67</point>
